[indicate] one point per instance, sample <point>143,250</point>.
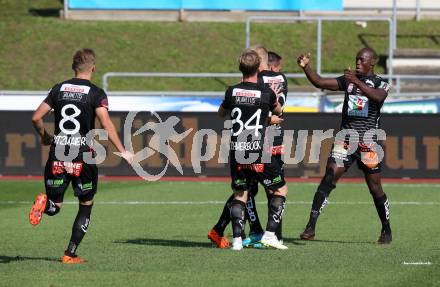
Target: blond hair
<point>262,52</point>
<point>249,62</point>
<point>83,60</point>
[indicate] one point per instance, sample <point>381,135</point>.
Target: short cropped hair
<point>273,58</point>
<point>262,52</point>
<point>249,62</point>
<point>83,60</point>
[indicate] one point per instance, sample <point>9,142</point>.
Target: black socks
<point>79,228</point>
<point>252,216</point>
<point>225,217</point>
<point>51,208</point>
<point>237,217</point>
<point>276,209</point>
<point>319,202</point>
<point>383,210</point>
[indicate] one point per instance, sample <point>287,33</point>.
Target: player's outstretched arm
<point>37,120</point>
<point>374,94</point>
<point>318,81</point>
<point>106,123</point>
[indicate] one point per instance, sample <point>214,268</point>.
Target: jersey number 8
<point>70,118</point>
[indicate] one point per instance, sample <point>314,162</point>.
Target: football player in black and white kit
<point>365,93</point>
<point>268,76</point>
<point>75,103</point>
<point>272,76</point>
<point>248,105</point>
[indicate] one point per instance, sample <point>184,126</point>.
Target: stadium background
<point>38,40</point>
<point>42,43</point>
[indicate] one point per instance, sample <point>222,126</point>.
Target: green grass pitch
<point>154,234</point>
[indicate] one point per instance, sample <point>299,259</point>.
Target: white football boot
<point>237,244</point>
<point>269,239</point>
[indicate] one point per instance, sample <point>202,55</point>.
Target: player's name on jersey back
<point>246,97</point>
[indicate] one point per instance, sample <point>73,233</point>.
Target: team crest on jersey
<point>74,93</point>
<point>246,97</point>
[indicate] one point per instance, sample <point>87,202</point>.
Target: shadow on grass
<point>166,242</point>
<point>9,259</point>
<point>45,12</point>
<point>303,242</point>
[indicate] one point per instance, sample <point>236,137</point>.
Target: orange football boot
<point>221,241</point>
<point>37,209</point>
<point>66,259</point>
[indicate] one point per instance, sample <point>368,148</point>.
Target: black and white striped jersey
<point>359,112</point>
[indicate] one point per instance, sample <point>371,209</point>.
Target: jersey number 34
<point>253,123</point>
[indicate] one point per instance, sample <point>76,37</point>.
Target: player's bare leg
<point>382,206</point>
<point>328,183</point>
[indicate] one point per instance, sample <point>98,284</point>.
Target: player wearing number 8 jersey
<point>248,104</point>
<point>76,103</point>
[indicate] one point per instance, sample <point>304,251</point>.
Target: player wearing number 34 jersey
<point>76,103</point>
<point>248,104</point>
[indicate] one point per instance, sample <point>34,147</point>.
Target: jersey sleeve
<point>282,98</point>
<point>101,100</point>
<point>342,83</point>
<point>227,101</point>
<point>381,84</point>
<point>272,99</point>
<point>50,99</point>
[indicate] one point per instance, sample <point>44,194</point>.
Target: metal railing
<point>319,20</point>
<point>396,80</point>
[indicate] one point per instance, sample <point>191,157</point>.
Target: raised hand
<point>303,60</point>
<point>350,76</point>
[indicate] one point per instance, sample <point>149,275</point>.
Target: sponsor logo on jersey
<point>73,92</point>
<point>73,168</point>
<point>357,106</point>
<point>276,179</point>
<point>86,186</point>
<point>257,167</point>
<point>240,182</point>
<point>54,182</point>
<point>75,88</point>
<point>273,80</point>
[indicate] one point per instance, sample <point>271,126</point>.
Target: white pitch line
<point>210,202</point>
<point>403,184</point>
<point>416,263</point>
